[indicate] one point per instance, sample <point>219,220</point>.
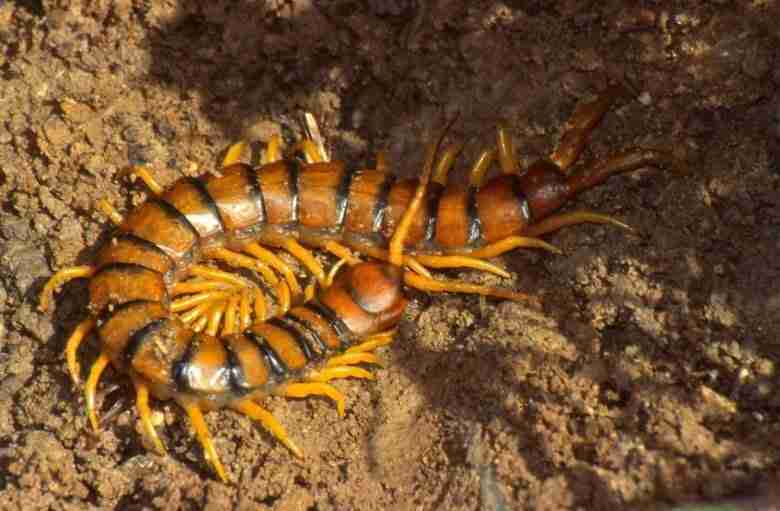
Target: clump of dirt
<point>649,377</point>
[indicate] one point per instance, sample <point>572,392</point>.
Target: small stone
<point>56,131</point>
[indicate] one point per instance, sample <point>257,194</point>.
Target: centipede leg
<point>273,150</point>
<point>90,388</point>
<point>306,257</point>
<point>481,166</point>
<point>507,158</point>
<point>242,261</point>
<point>354,358</point>
<point>110,211</point>
<point>311,152</point>
<point>202,432</point>
<point>60,278</point>
<point>434,261</point>
<point>511,243</point>
<point>215,317</point>
<point>579,126</point>
<point>272,260</point>
<point>437,286</point>
<point>445,163</point>
<point>234,154</point>
<point>556,222</point>
<point>139,171</point>
<point>381,161</point>
<point>72,346</point>
<point>315,389</point>
<point>312,131</point>
<point>145,413</point>
<point>339,372</point>
<point>189,302</point>
<point>373,342</point>
<point>268,421</point>
<point>341,252</point>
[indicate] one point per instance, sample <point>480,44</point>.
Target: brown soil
<point>650,376</point>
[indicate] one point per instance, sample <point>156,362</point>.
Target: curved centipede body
<point>215,346</point>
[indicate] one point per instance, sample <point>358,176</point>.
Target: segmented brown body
<point>319,202</point>
<point>159,239</point>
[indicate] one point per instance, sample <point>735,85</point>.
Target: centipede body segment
<point>186,330</point>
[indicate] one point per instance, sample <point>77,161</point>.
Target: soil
<point>648,378</point>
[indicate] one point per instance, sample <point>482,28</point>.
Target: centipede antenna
<point>396,246</point>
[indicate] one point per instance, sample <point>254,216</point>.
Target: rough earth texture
<point>649,377</point>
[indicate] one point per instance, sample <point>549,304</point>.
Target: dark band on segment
<point>181,367</point>
<point>335,322</point>
<point>274,361</point>
<point>207,199</point>
<point>127,269</point>
<point>342,194</point>
<point>380,207</point>
<point>310,330</point>
<point>522,199</point>
<point>144,245</point>
<point>257,193</point>
<point>236,378</point>
<point>175,215</point>
<point>475,225</point>
<point>140,336</point>
<point>300,339</point>
<point>293,171</point>
<point>435,191</point>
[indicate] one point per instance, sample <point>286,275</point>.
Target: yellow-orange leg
<point>506,150</point>
<point>445,163</point>
<point>268,421</point>
<point>314,389</point>
<point>231,313</point>
<point>215,317</point>
<point>335,373</point>
<point>242,261</point>
<point>556,222</point>
<point>273,150</point>
<point>470,261</point>
<point>511,243</point>
<point>139,171</point>
<point>110,211</point>
<point>341,252</point>
<point>72,346</point>
<point>313,133</point>
<point>306,257</point>
<point>145,413</point>
<point>234,153</point>
<point>202,432</point>
<point>373,342</point>
<point>482,164</point>
<point>381,161</point>
<point>310,151</point>
<point>272,260</point>
<point>191,301</point>
<point>90,388</point>
<point>437,286</point>
<point>347,359</point>
<point>60,278</point>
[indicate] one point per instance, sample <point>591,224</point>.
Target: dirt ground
<point>647,380</point>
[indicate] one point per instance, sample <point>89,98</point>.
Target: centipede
<point>168,314</point>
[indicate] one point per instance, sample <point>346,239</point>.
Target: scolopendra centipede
<point>170,348</point>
